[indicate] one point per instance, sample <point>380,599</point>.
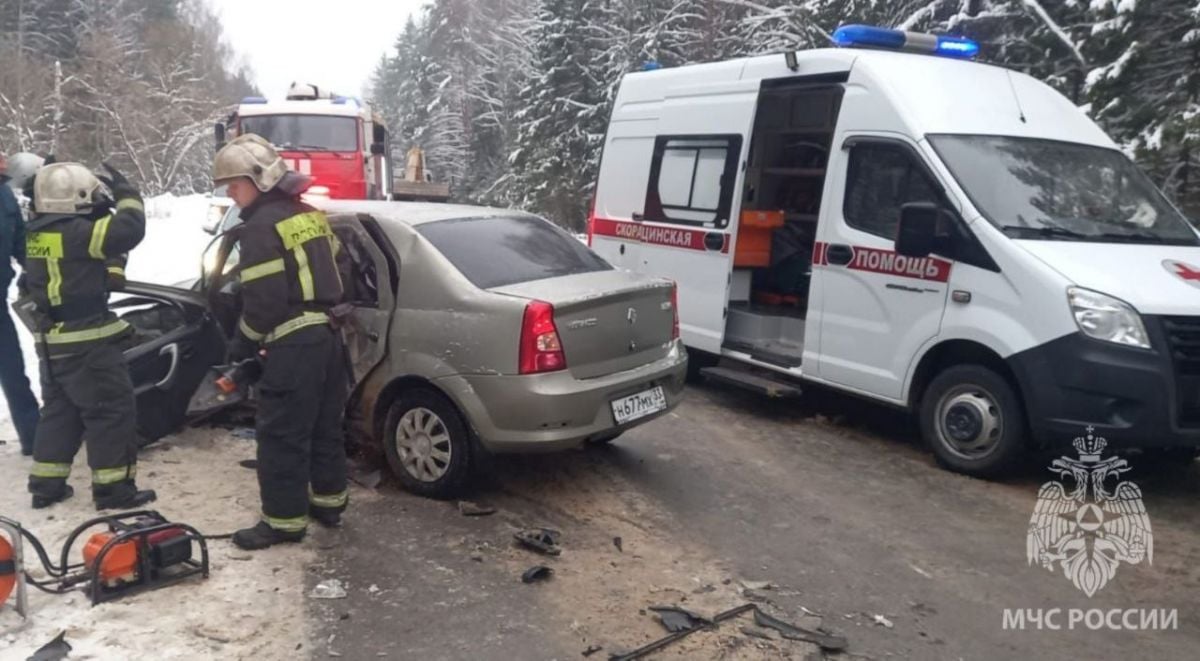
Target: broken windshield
<point>1050,190</point>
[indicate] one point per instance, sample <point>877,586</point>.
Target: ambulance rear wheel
<point>973,421</point>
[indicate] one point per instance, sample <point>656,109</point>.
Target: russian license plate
<point>647,402</point>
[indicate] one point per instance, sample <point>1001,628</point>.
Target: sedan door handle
<point>373,336</point>
<point>168,380</point>
<point>839,254</point>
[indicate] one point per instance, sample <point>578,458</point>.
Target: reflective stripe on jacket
<point>288,270</point>
<point>67,259</point>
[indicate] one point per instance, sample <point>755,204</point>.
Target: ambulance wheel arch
<point>970,408</point>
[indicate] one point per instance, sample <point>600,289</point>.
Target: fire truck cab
<point>893,220</point>
<point>337,140</point>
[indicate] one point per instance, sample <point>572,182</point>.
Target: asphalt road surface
<point>829,501</point>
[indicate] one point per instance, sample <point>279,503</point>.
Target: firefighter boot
<point>44,500</point>
<point>329,517</point>
<point>263,535</point>
<point>123,495</point>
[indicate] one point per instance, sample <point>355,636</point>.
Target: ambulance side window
<point>691,179</point>
<point>881,179</point>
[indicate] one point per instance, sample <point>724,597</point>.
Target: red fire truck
<point>337,140</point>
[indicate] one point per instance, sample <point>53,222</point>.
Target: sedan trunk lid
<point>607,321</point>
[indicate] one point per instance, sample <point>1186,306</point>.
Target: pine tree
<point>562,115</point>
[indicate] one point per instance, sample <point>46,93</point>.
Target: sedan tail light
<point>541,350</point>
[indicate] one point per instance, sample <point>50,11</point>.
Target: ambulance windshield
<point>305,132</point>
<point>1049,190</point>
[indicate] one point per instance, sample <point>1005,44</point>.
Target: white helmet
<point>64,188</point>
<point>250,156</point>
<point>21,167</point>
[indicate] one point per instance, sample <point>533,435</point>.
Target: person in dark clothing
<point>289,284</point>
<point>86,387</point>
<point>22,405</point>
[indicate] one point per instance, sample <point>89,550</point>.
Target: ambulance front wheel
<point>972,419</point>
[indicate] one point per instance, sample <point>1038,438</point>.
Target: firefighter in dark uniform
<point>86,389</point>
<point>289,284</point>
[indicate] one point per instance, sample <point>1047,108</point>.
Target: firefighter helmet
<point>21,167</point>
<point>249,156</point>
<point>64,188</point>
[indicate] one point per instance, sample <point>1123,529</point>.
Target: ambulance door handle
<point>839,254</point>
<point>638,217</point>
<point>622,250</point>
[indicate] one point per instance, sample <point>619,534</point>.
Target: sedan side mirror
<point>916,235</point>
<point>219,134</point>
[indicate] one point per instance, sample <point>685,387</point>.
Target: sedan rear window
<point>505,250</point>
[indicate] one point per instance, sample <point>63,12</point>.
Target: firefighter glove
<point>118,184</point>
<point>240,349</point>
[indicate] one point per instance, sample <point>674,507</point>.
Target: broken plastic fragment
<point>827,642</point>
<point>542,540</point>
<point>54,650</point>
<point>537,573</point>
<point>675,619</point>
<point>467,508</point>
<point>331,589</point>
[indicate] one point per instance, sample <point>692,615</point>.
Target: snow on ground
<point>252,606</point>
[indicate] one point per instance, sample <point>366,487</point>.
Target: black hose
<point>51,568</point>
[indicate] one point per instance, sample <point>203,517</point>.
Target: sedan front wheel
<point>427,444</point>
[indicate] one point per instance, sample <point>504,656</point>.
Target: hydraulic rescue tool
<point>138,551</point>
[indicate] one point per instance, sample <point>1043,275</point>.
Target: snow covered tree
<point>562,114</point>
<point>138,82</point>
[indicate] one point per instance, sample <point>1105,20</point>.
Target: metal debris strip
<point>827,642</point>
<point>641,652</point>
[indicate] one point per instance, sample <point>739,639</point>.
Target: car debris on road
<point>537,573</point>
<point>542,540</point>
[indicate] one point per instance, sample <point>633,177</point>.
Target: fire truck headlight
<point>1106,318</point>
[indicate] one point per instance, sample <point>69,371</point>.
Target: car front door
<point>367,283</point>
<point>174,343</point>
<point>878,307</point>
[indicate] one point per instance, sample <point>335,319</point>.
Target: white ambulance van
<point>894,220</point>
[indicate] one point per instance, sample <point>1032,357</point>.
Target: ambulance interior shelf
<point>789,152</point>
<point>785,176</point>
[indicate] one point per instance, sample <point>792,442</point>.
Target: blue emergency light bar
<point>254,99</point>
<point>869,36</point>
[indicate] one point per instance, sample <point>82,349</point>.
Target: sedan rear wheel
<point>427,444</point>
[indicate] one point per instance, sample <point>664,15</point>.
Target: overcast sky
<point>332,43</point>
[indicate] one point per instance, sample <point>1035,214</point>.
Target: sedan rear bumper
<point>556,411</point>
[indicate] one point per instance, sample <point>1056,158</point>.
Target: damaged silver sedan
<point>473,330</point>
